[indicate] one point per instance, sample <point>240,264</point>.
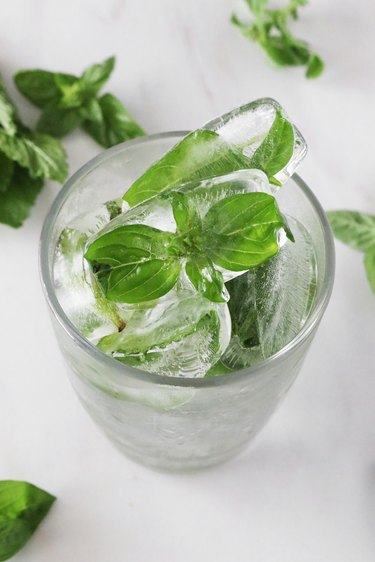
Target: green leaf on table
<point>22,509</point>
<point>58,121</point>
<point>370,267</point>
<point>6,172</point>
<point>115,125</point>
<point>201,154</point>
<point>353,228</point>
<point>276,149</point>
<point>242,230</point>
<point>134,263</point>
<point>207,280</point>
<point>38,86</point>
<point>19,197</point>
<point>41,154</point>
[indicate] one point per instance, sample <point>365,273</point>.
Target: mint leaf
<point>206,279</point>
<point>19,197</point>
<point>138,263</point>
<point>41,154</point>
<point>6,172</point>
<point>353,228</point>
<point>58,121</point>
<point>370,266</point>
<point>115,124</point>
<point>201,154</point>
<point>96,75</point>
<point>242,230</point>
<point>270,28</point>
<point>276,149</point>
<point>22,508</point>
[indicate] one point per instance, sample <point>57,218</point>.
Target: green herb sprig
<point>358,231</point>
<point>26,159</point>
<point>69,101</point>
<point>270,28</point>
<point>22,508</point>
<point>138,263</point>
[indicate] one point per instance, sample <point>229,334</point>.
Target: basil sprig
<point>22,508</point>
<point>69,101</point>
<point>358,231</point>
<point>26,159</point>
<point>137,263</point>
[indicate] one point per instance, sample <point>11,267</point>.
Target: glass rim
<point>125,370</point>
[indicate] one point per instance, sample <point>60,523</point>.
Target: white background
<point>305,490</point>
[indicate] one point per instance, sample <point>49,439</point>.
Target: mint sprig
<point>26,159</point>
<point>137,263</point>
<point>358,231</point>
<point>69,101</point>
<point>22,508</point>
<point>270,28</point>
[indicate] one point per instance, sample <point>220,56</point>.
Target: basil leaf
<point>242,230</point>
<point>315,67</point>
<point>41,154</point>
<point>58,121</point>
<point>370,266</point>
<point>96,75</point>
<point>276,149</point>
<point>22,508</point>
<point>38,86</point>
<point>115,125</point>
<point>138,263</point>
<point>353,228</point>
<point>201,154</point>
<point>20,196</point>
<point>6,172</point>
<point>184,212</point>
<point>206,279</point>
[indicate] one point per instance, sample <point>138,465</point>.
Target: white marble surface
<point>305,491</point>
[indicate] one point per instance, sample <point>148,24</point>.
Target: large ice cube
<point>222,146</point>
<point>247,126</point>
<point>270,304</point>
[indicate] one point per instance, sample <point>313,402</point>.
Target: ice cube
<point>270,304</point>
<point>247,126</point>
<point>222,146</point>
<point>174,338</point>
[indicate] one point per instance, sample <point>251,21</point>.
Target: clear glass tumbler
<point>169,422</point>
